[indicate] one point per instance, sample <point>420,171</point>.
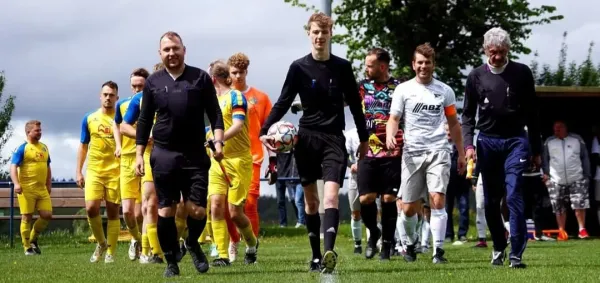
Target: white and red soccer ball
<point>284,134</point>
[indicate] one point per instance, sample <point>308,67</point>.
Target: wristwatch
<point>219,141</point>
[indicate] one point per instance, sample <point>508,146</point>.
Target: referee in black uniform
<point>179,95</point>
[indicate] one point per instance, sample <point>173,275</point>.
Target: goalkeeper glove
<point>271,171</point>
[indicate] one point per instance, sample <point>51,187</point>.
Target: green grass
<point>65,258</point>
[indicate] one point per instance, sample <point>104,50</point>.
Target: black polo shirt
<point>180,105</point>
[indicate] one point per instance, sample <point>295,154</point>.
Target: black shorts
<point>177,174</point>
<point>321,156</point>
<point>379,175</point>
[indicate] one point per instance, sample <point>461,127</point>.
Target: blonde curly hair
<point>239,60</point>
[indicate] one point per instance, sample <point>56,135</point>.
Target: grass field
<point>65,258</point>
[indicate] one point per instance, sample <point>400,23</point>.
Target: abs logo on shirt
<point>427,107</point>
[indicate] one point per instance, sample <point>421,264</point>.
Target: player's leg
<point>94,194</point>
<point>145,256</point>
<point>239,168</point>
<point>113,225</point>
<point>401,240</point>
<point>195,191</point>
<point>356,221</point>
<point>167,175</point>
<point>234,237</point>
<point>335,162</point>
<point>515,165</point>
<point>438,175</point>
<point>150,197</point>
<point>491,165</point>
<point>370,182</point>
<point>580,202</point>
<point>251,206</point>
<point>451,196</point>
<point>181,223</point>
<point>308,161</point>
<point>27,207</point>
<point>44,208</point>
<point>217,192</point>
<point>463,209</point>
<point>412,190</point>
<point>480,222</point>
<point>130,193</point>
<point>425,226</point>
<point>389,212</point>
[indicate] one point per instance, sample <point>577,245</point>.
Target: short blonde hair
<point>30,124</point>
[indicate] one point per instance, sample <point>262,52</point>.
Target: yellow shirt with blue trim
<point>235,107</point>
<point>132,114</point>
<point>96,132</point>
<point>33,160</point>
<point>127,143</point>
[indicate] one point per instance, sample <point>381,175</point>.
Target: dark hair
<point>140,72</point>
<point>111,84</point>
<point>381,54</point>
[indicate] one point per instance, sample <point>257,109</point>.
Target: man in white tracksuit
<point>566,167</point>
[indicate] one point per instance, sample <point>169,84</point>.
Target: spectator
<point>288,179</point>
<point>566,174</point>
<point>596,161</point>
<point>458,188</point>
<point>352,143</point>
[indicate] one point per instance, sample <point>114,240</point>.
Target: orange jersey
<point>259,108</point>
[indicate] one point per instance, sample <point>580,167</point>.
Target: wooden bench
<point>64,195</point>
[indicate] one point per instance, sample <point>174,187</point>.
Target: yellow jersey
<point>32,160</point>
<point>234,107</point>
<point>134,107</point>
<point>96,132</point>
<point>127,143</point>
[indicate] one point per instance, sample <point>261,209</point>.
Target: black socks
<point>331,221</point>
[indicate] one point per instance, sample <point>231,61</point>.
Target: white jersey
<point>423,109</point>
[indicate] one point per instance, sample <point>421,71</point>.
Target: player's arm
<point>17,160</point>
<point>145,119</point>
<point>131,116</point>
<point>453,124</point>
<point>354,100</point>
<point>532,115</point>
<point>396,112</point>
<point>284,102</point>
<point>239,108</point>
<point>116,132</point>
<point>82,150</point>
<point>469,111</point>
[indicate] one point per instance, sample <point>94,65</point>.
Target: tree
<point>6,111</point>
<point>454,28</point>
<point>585,74</point>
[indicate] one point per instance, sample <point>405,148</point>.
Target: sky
<point>56,54</point>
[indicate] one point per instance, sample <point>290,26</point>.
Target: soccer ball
<point>284,134</point>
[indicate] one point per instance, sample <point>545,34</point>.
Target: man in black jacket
<point>288,179</point>
<point>503,92</point>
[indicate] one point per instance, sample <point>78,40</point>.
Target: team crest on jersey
<point>104,129</point>
<point>252,100</point>
<point>223,103</point>
<point>39,156</point>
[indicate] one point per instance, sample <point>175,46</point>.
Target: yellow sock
<point>248,235</point>
<point>25,234</point>
<point>202,238</point>
<point>97,229</point>
<point>221,237</point>
<point>113,227</point>
<point>145,244</point>
<point>38,227</point>
<point>153,239</point>
<point>181,223</point>
<point>135,233</point>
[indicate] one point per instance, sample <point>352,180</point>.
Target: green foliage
<point>6,111</point>
<point>454,28</point>
<point>585,74</point>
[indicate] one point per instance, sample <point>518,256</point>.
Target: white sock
<point>425,232</point>
<point>356,230</point>
<point>418,229</point>
<point>439,220</point>
<point>481,223</point>
<point>401,232</point>
<point>507,226</point>
<point>410,225</point>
